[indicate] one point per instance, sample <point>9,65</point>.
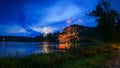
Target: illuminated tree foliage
<point>69,37</point>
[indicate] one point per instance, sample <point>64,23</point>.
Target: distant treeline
<point>39,38</point>
<point>16,38</point>
<point>50,37</point>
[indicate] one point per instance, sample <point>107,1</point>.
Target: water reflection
<point>3,44</point>
<point>64,46</point>
<point>46,48</point>
<point>25,49</point>
<point>61,46</point>
<point>16,48</point>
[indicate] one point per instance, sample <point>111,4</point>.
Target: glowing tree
<point>74,36</point>
<point>69,37</point>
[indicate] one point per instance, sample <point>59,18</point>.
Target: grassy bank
<point>92,56</point>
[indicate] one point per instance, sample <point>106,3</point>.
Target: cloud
<point>13,30</point>
<point>16,29</point>
<point>60,12</point>
<point>57,12</point>
<point>45,29</point>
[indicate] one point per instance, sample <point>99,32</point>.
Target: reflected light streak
<point>46,47</point>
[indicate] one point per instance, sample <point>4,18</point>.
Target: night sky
<point>30,17</point>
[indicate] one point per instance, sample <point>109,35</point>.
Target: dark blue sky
<point>30,17</point>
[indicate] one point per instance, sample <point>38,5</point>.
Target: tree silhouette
<point>39,37</point>
<point>118,29</point>
<point>118,25</point>
<point>105,17</point>
<point>55,36</point>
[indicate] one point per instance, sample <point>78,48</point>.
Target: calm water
<point>24,49</point>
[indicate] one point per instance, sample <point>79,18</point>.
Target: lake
<point>25,49</point>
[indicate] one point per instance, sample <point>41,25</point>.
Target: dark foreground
<point>92,56</point>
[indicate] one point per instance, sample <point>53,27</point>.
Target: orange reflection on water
<point>61,46</point>
<point>64,46</point>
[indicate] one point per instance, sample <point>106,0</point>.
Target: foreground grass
<point>92,56</point>
<point>90,62</point>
